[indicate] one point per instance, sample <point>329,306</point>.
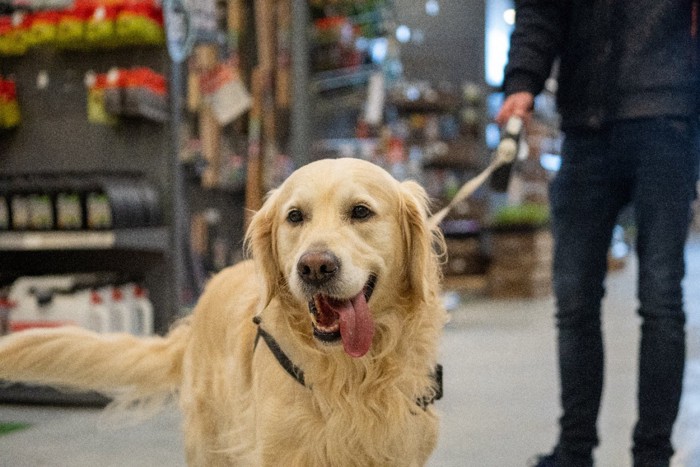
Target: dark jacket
<point>619,59</point>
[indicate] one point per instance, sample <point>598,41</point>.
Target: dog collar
<point>298,374</point>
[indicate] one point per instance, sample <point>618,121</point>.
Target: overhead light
<point>403,34</point>
<point>432,8</point>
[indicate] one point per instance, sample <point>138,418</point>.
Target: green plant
<point>523,215</point>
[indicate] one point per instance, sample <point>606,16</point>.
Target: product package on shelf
<point>70,28</point>
<point>96,104</point>
<point>100,26</point>
<point>82,24</point>
<point>9,106</point>
<point>136,92</point>
<point>93,301</point>
<point>75,201</point>
<point>13,30</point>
<point>42,28</point>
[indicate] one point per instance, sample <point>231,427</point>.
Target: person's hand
<point>519,104</point>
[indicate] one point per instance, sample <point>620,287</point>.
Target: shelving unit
<point>55,137</point>
<point>153,239</point>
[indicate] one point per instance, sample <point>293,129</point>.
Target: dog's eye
<point>360,212</point>
<point>295,216</point>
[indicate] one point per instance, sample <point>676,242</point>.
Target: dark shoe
<point>543,460</point>
<point>551,460</point>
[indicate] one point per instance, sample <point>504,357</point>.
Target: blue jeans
<point>651,164</point>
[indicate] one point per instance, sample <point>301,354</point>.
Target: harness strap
<point>298,374</point>
<point>289,366</point>
<point>425,401</point>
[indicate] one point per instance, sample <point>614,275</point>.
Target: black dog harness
<point>298,374</point>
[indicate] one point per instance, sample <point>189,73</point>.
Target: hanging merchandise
<point>84,24</point>
<point>9,106</point>
<point>43,27</point>
<point>145,94</point>
<point>140,22</point>
<point>225,93</point>
<point>136,92</point>
<point>96,108</point>
<point>71,27</point>
<point>13,32</point>
<point>100,26</point>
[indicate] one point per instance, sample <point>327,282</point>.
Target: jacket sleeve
<point>534,44</point>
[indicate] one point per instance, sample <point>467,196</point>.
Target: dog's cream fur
<point>240,406</point>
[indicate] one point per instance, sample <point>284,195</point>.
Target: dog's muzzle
<point>337,319</point>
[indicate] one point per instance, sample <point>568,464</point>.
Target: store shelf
<point>141,239</point>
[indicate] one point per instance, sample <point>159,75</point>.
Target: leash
<point>504,155</point>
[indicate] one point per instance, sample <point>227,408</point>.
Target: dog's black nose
<point>317,267</point>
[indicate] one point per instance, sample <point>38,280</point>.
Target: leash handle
<point>504,156</point>
<point>507,150</point>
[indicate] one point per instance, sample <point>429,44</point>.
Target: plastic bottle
<point>98,210</point>
<point>98,314</point>
<point>19,204</point>
<point>143,311</point>
<point>69,212</point>
<point>121,316</point>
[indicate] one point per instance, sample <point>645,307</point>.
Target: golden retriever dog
<point>321,351</point>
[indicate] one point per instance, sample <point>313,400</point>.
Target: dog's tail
<point>121,366</point>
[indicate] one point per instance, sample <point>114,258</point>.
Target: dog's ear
<point>424,245</point>
<point>261,245</point>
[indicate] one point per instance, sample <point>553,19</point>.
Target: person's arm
<point>534,44</point>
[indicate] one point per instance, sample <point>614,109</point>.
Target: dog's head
<point>347,240</point>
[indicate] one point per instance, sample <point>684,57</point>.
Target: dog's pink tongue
<point>356,325</point>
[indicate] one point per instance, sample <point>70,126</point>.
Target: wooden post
<point>209,129</point>
<point>254,176</point>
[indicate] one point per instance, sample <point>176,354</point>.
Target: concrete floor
<point>500,405</point>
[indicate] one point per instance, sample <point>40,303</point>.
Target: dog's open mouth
<point>348,320</point>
